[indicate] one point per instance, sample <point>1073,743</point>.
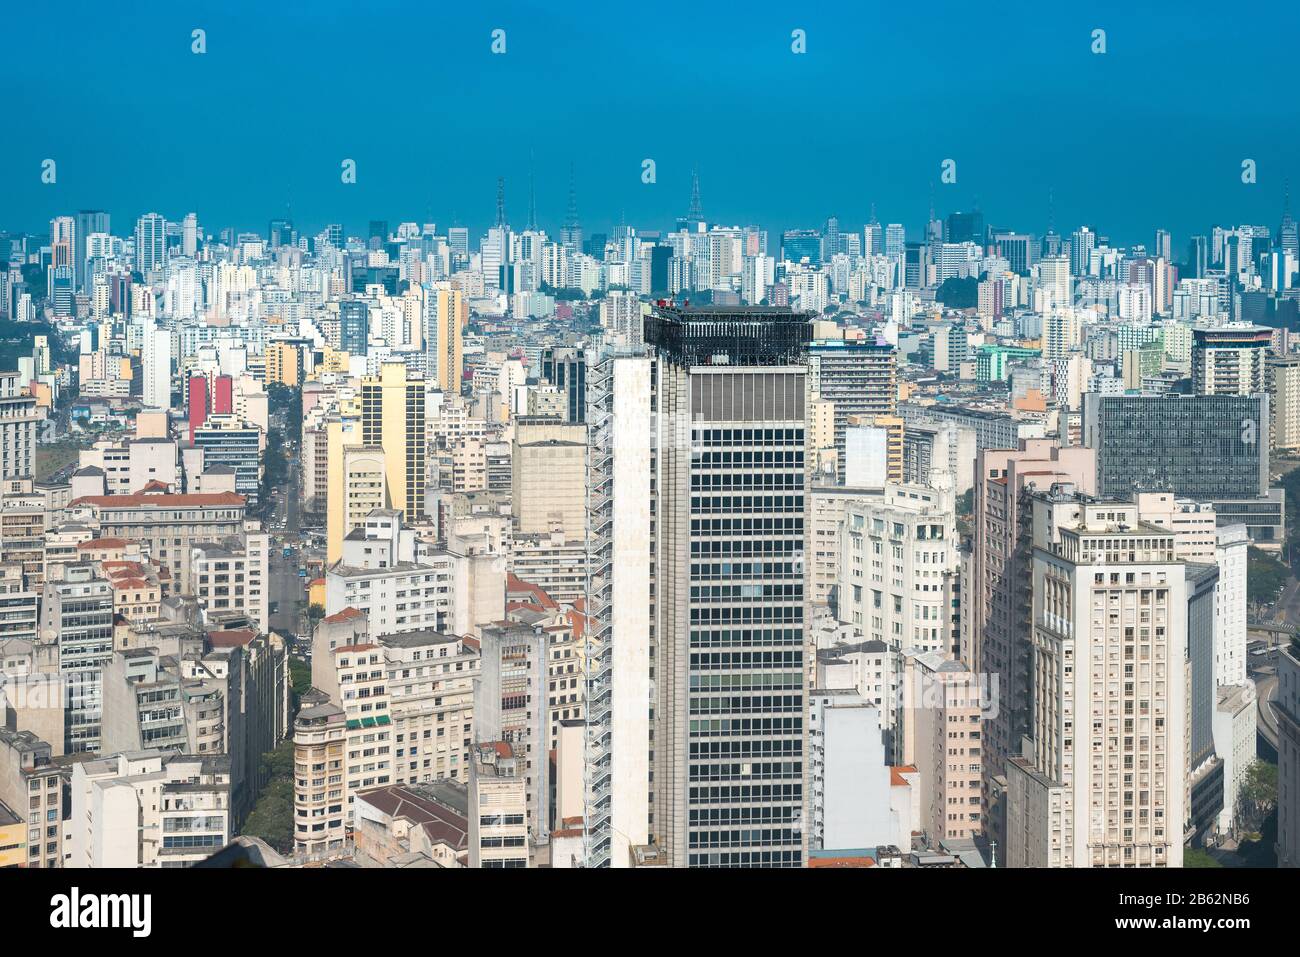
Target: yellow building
<point>392,418</point>
<point>332,360</point>
<point>283,364</point>
<point>341,431</point>
<point>448,317</point>
<point>13,839</point>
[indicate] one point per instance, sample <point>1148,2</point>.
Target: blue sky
<point>1152,133</point>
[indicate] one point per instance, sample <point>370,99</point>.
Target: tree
<point>1196,857</point>
<point>272,816</point>
<point>1258,796</point>
<point>1265,577</point>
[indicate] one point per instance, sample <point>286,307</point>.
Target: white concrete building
<point>898,568</point>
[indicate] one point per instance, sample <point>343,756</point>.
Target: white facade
<point>898,564</point>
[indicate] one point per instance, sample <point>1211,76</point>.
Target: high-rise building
<point>859,378</point>
<point>89,222</point>
<point>392,417</point>
<point>730,507</point>
<point>19,419</point>
<point>1100,782</point>
<point>446,315</point>
<point>156,360</point>
<point>1230,360</point>
<point>150,243</point>
<point>996,595</point>
<point>619,484</point>
<point>1204,447</point>
<point>1283,376</point>
<point>354,326</point>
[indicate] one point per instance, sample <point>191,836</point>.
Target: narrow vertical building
<point>730,512</point>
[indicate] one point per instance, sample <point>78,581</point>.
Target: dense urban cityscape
<point>689,546</point>
<point>794,440</point>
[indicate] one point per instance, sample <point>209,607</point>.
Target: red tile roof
<point>347,614</point>
<point>159,500</point>
<point>231,639</point>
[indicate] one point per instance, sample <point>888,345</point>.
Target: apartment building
<point>1101,783</point>
<point>320,786</point>
<point>31,784</point>
<point>150,808</point>
<point>899,568</point>
<point>498,808</point>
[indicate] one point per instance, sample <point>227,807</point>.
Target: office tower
<point>190,235</point>
<point>63,242</point>
<point>1230,360</point>
<point>378,234</point>
<point>89,222</point>
<point>150,243</point>
<point>1082,242</point>
<point>965,228</point>
<point>996,595</point>
<point>227,440</point>
<point>619,485</point>
<point>354,326</point>
<point>1198,257</point>
<point>859,378</point>
<point>800,244</point>
<point>1203,447</point>
<point>731,390</point>
<point>566,369</point>
<point>279,233</point>
<point>1101,780</point>
<point>1283,377</point>
<point>895,241</point>
<point>446,315</point>
<point>156,359</point>
<point>392,417</point>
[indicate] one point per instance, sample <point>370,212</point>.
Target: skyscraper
<point>446,314</point>
<point>89,222</point>
<point>150,243</point>
<point>392,417</point>
<point>1101,782</point>
<point>859,378</point>
<point>730,511</point>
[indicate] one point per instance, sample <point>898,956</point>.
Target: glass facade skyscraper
<point>730,523</point>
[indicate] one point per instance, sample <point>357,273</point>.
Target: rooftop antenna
<point>696,212</point>
<point>501,200</point>
<point>1051,211</point>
